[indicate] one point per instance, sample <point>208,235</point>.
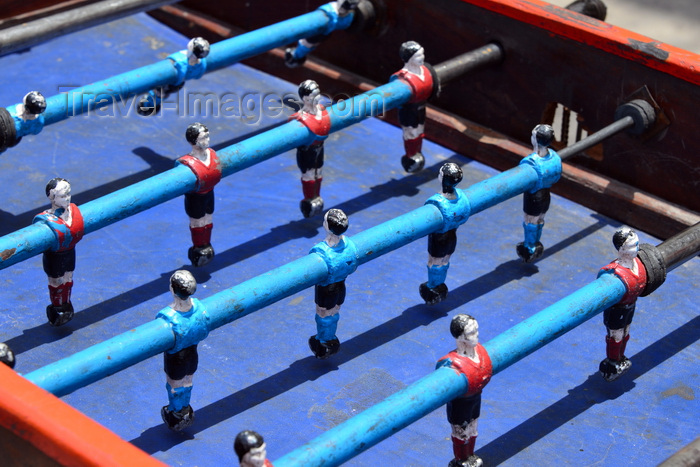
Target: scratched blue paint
<point>173,71</point>
<point>377,423</point>
<point>380,421</point>
<point>104,359</point>
<point>136,198</point>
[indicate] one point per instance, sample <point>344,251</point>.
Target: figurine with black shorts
<point>329,296</point>
<point>618,318</point>
<point>189,320</point>
<point>441,245</point>
<point>471,360</point>
<point>419,77</point>
<point>536,202</point>
<point>66,221</point>
<point>315,117</point>
<point>199,204</point>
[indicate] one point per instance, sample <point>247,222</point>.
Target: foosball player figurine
<point>536,201</point>
<point>189,321</point>
<point>197,49</point>
<point>329,296</point>
<point>250,449</point>
<point>7,356</point>
<point>471,360</point>
<point>310,158</point>
<point>441,245</point>
<point>420,77</point>
<point>66,222</point>
<point>296,56</point>
<point>618,318</point>
<point>199,204</point>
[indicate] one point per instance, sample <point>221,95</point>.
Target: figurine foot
<point>147,107</point>
<point>177,421</point>
<point>413,163</point>
<point>527,255</point>
<point>611,369</point>
<point>432,296</point>
<point>290,61</point>
<point>59,314</point>
<point>311,207</point>
<point>323,349</point>
<point>471,461</point>
<point>200,255</point>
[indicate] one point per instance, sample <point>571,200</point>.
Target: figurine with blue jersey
<point>189,322</point>
<point>296,56</point>
<point>547,164</point>
<point>453,205</point>
<point>189,65</point>
<point>66,221</point>
<point>330,294</point>
<point>471,360</point>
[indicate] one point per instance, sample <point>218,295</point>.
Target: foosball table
<point>162,206</point>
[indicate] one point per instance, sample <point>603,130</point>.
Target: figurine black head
<point>450,176</point>
<point>346,6</point>
<point>53,183</point>
<point>543,135</point>
<point>336,221</point>
<point>245,441</point>
<point>621,236</point>
<point>459,323</point>
<point>408,50</point>
<point>199,46</point>
<point>34,103</point>
<point>183,284</point>
<point>7,356</point>
<point>307,88</point>
<point>193,132</point>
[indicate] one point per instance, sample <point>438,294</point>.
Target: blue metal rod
<point>256,293</point>
<point>141,80</point>
<point>37,238</point>
<point>382,420</point>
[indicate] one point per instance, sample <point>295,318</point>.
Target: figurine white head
<point>310,95</point>
<point>58,192</point>
<point>250,448</point>
<point>413,56</point>
<point>465,329</point>
<point>626,243</point>
<point>182,285</point>
<point>197,49</point>
<point>336,223</point>
<point>33,104</point>
<point>541,139</point>
<point>198,136</point>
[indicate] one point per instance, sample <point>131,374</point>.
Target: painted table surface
<point>552,408</point>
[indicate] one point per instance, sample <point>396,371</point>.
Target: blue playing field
<point>257,373</point>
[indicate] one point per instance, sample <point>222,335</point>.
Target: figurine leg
<point>325,343</point>
<point>531,249</point>
<point>413,160</point>
<point>59,267</point>
<point>617,320</point>
<point>295,56</point>
<point>312,203</point>
<point>7,356</point>
<point>201,252</point>
<point>434,291</point>
<point>179,368</point>
<point>463,414</point>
